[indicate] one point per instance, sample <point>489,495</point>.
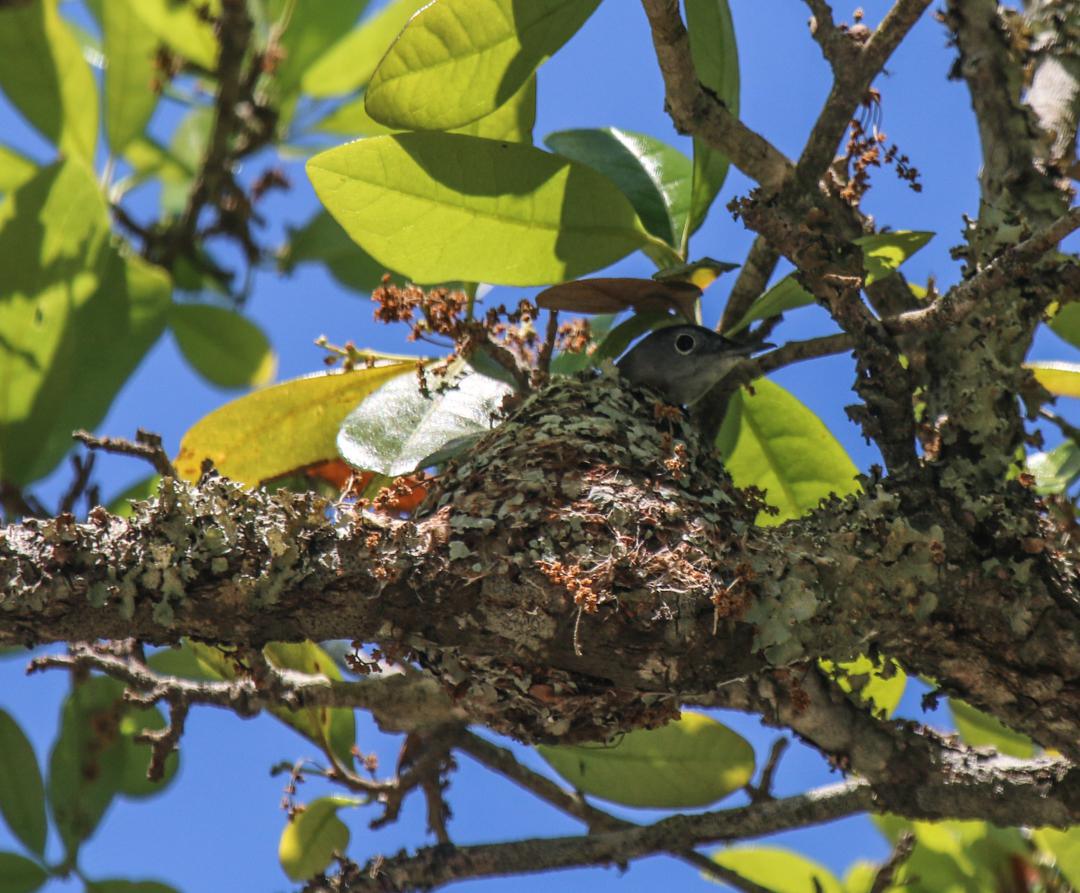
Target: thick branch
<point>674,593</point>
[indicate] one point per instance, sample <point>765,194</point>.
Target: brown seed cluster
<point>575,581</point>
<point>866,149</point>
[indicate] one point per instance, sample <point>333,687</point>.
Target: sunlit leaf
<point>983,730</point>
<point>307,32</point>
<point>444,207</point>
<point>44,75</point>
<point>310,840</point>
<point>226,348</point>
<point>397,426</point>
<point>15,169</point>
<point>130,49</point>
<point>512,121</point>
<point>77,316</point>
<point>332,727</point>
<point>953,856</point>
<point>693,761</point>
<point>1065,848</point>
<point>182,27</point>
<point>1058,378</point>
<point>772,441</point>
<point>1065,323</point>
<point>778,870</point>
<point>880,684</point>
<point>716,62</point>
<point>655,177</point>
<point>1055,470</point>
<point>458,60</point>
<point>22,794</point>
<point>350,62</point>
<point>281,428</point>
<point>883,253</point>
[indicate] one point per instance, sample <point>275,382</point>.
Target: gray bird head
<point>682,362</point>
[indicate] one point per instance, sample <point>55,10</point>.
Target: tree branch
<point>434,866</point>
<point>696,110</point>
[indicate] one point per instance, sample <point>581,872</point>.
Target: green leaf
<point>226,348</point>
<point>655,177</point>
<point>716,61</point>
<point>1055,471</point>
<point>126,886</point>
<point>187,146</point>
<point>322,240</point>
<point>619,338</point>
<point>1064,846</point>
<point>133,781</point>
<point>787,294</point>
<point>15,169</point>
<point>868,679</point>
<point>22,795</point>
<point>1058,378</point>
<point>310,29</point>
<point>883,253</point>
<point>144,488</point>
<point>691,762</point>
<point>86,763</point>
<point>445,207</point>
<point>182,28</point>
<point>276,430</point>
<point>310,840</point>
<point>131,50</point>
<point>778,870</point>
<point>1065,323</point>
<point>771,441</point>
<point>983,730</point>
<point>331,727</point>
<point>458,60</point>
<point>512,121</point>
<point>77,316</point>
<point>397,426</point>
<point>95,757</point>
<point>954,856</point>
<point>43,73</point>
<point>20,875</point>
<point>193,660</point>
<point>349,63</point>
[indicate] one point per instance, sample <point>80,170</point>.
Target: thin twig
<point>1004,269</point>
<point>145,446</point>
<point>797,351</point>
<point>501,760</point>
<point>80,483</point>
<point>763,789</point>
<point>905,846</point>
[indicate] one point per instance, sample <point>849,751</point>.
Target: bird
<point>682,362</point>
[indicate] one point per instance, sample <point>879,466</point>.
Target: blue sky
<point>217,826</point>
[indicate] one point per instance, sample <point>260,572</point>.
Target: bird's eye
<point>685,343</point>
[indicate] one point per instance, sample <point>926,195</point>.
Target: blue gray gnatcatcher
<point>683,362</point>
